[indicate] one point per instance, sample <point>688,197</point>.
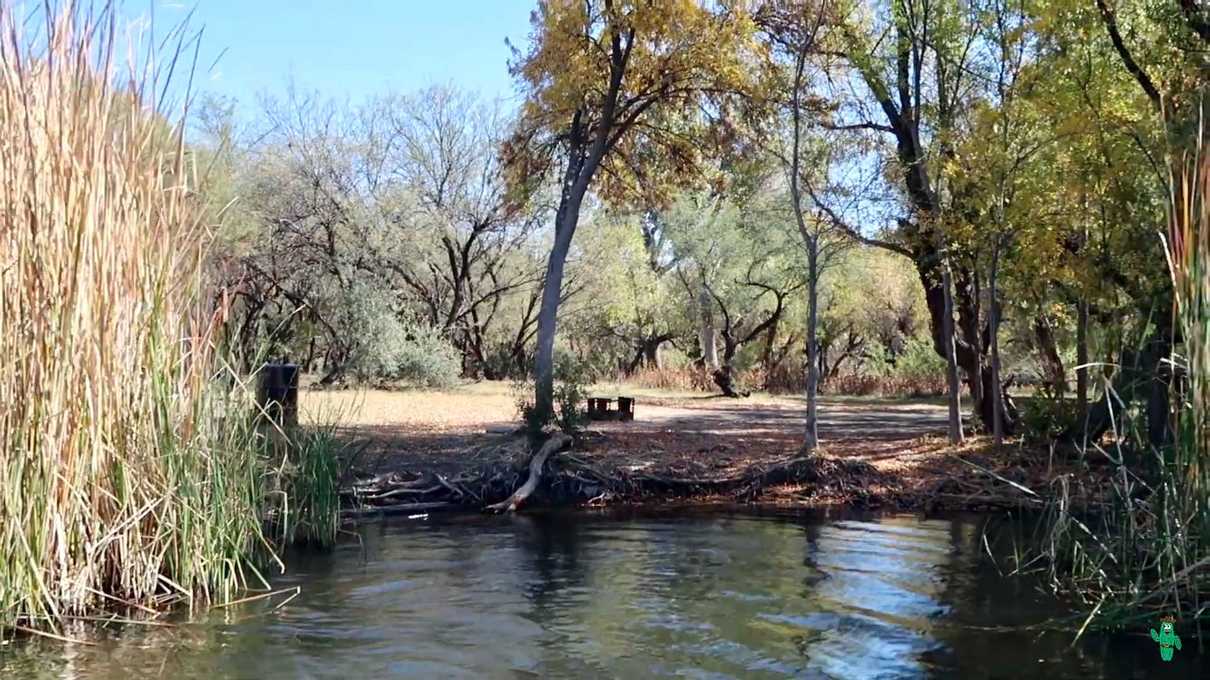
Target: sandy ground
<point>679,433</point>
<point>690,435</point>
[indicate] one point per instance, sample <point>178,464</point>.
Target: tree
<point>792,28</point>
<point>617,87</point>
<point>391,217</point>
<point>442,146</point>
<point>732,246</point>
<point>917,83</point>
<point>1180,37</point>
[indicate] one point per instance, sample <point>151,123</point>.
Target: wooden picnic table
<point>600,408</point>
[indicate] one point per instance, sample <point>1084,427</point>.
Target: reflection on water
<point>586,596</point>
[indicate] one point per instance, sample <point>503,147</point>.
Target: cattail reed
<point>128,474</point>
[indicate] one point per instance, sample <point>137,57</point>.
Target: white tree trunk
<point>544,354</point>
<point>811,440</point>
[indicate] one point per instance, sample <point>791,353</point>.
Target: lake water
<point>578,595</point>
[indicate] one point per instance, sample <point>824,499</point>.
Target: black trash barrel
<point>279,393</point>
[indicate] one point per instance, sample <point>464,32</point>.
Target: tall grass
<point>1149,549</point>
<point>305,473</point>
<point>130,472</point>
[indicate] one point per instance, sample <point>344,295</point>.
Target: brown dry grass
<point>464,409</point>
<point>687,435</point>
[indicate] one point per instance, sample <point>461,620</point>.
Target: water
<point>642,596</point>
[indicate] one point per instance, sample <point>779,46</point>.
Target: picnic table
<point>600,408</point>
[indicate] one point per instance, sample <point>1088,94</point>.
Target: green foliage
<point>918,361</point>
<point>383,347</point>
<point>1045,418</point>
<point>308,477</point>
<point>572,379</point>
<point>651,67</point>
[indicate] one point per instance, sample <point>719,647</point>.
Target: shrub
<point>919,362</point>
<point>384,347</point>
<point>571,384</point>
<point>426,358</point>
<point>1045,418</point>
<point>684,378</point>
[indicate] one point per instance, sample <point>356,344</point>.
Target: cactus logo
<point>1167,638</point>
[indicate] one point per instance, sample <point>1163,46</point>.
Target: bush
<point>385,347</point>
<point>917,372</point>
<point>425,358</point>
<point>886,386</point>
<point>1045,418</point>
<point>572,378</point>
<point>685,378</point>
<point>919,362</point>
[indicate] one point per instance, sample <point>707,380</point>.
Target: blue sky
<point>349,48</point>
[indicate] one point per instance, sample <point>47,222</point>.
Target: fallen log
<point>400,509</point>
<point>403,491</point>
<point>510,504</point>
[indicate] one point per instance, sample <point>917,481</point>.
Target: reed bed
<point>132,472</point>
<point>1148,550</point>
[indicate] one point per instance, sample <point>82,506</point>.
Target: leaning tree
<point>621,89</point>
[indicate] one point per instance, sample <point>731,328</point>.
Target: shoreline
<point>501,478</point>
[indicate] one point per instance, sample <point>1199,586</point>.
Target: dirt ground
<point>685,435</point>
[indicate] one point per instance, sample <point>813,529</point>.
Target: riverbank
<point>425,451</point>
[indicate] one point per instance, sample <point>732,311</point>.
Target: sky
<point>349,48</point>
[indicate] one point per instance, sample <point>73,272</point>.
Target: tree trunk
<point>1159,404</point>
<point>993,313</point>
<point>724,377</point>
<point>647,353</point>
<point>708,337</point>
<point>1048,353</point>
<point>1139,375</point>
<point>1082,359</point>
<point>766,355</point>
<point>811,441</point>
<point>652,357</point>
<point>976,386</point>
<point>951,360</point>
<point>544,354</point>
<point>940,296</point>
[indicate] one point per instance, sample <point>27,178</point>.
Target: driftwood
<point>400,509</point>
<point>510,504</point>
<point>506,476</point>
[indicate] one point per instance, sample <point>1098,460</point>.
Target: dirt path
<point>438,430</point>
<point>781,421</point>
<point>695,437</point>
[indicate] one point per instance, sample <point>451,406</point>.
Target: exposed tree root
<point>557,441</point>
<point>510,478</point>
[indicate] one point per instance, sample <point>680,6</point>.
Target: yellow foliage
<point>638,75</point>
